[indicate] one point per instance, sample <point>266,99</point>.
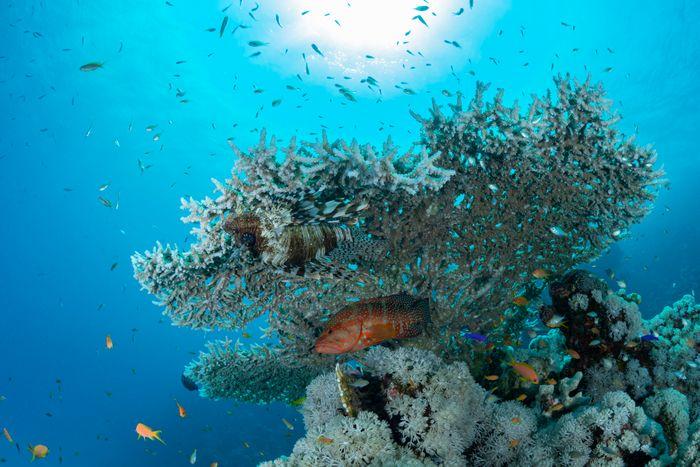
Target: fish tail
<point>156,435</point>
<point>423,304</point>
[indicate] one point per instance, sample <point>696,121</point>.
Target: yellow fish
<point>7,435</point>
<point>38,452</point>
<point>525,371</point>
<point>108,342</point>
<point>520,301</point>
<point>146,432</point>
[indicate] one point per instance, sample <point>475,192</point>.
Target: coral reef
<point>490,206</point>
<point>487,195</point>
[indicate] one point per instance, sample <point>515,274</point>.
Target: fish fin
<point>312,209</point>
<point>324,269</point>
<point>423,304</point>
<point>361,249</point>
<point>156,435</point>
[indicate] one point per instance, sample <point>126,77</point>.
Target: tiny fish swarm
<point>517,173</point>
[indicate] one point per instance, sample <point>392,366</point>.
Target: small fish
<point>324,440</point>
<point>558,231</point>
<point>193,457</point>
<point>574,354</point>
<point>474,336</point>
<point>556,321</point>
<point>103,187</point>
<point>108,342</point>
<point>622,284</point>
<point>146,432</point>
<point>317,50</point>
<point>458,12</point>
<point>257,43</point>
<point>277,19</point>
<point>420,18</point>
<point>491,377</point>
<point>515,420</point>
<point>525,371</point>
<point>105,202</point>
<point>92,66</point>
<point>521,301</point>
<point>113,266</point>
<point>298,402</point>
<point>371,321</point>
<point>214,464</point>
<point>224,22</point>
<point>514,443</point>
<point>551,381</point>
<point>521,397</point>
<point>7,436</point>
<point>181,410</point>
<point>540,273</point>
<point>594,342</point>
<point>287,424</point>
<point>359,383</point>
<point>649,337</point>
<point>38,452</point>
<point>246,335</point>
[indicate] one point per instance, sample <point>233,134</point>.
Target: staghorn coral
<point>487,194</point>
<point>258,374</point>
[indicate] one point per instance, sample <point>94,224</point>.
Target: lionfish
<point>313,241</point>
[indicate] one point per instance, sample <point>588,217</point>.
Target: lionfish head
<point>245,229</point>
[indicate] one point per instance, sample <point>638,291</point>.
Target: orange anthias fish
<point>369,322</point>
<point>521,301</point>
<point>108,342</point>
<point>7,435</point>
<point>145,431</point>
<point>181,410</point>
<point>525,371</point>
<point>540,273</point>
<point>38,452</point>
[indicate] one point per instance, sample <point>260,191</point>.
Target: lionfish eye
<point>248,239</point>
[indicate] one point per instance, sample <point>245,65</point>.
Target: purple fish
<point>474,336</point>
<point>650,337</point>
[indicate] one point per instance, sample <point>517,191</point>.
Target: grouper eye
<point>248,239</point>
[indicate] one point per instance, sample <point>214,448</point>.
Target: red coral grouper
<point>369,322</point>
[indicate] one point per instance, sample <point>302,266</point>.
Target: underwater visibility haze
<point>349,232</point>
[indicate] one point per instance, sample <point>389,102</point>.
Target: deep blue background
<point>58,297</point>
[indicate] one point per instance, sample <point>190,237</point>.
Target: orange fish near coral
<point>181,410</point>
<point>369,322</point>
<point>521,301</point>
<point>38,452</point>
<point>540,273</point>
<point>525,371</point>
<point>145,431</point>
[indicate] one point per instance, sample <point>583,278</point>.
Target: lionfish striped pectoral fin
<point>325,269</point>
<point>312,210</point>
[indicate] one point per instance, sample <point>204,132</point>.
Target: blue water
<point>58,127</point>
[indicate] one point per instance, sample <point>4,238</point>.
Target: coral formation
<point>487,195</point>
<point>490,207</point>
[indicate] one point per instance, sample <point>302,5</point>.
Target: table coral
<point>486,195</point>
